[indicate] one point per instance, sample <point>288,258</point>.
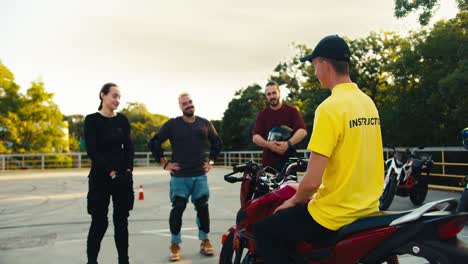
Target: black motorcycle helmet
<point>464,135</point>
<point>281,133</point>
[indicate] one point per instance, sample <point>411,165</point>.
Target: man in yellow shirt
<point>344,176</point>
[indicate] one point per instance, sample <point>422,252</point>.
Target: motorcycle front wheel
<point>231,255</point>
<point>388,194</point>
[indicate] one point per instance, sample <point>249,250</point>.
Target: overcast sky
<point>155,49</point>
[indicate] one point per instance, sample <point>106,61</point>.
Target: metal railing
<point>44,161</point>
<point>449,162</point>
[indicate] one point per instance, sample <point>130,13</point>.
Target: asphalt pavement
<point>43,218</point>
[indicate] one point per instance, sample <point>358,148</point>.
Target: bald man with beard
<point>188,167</point>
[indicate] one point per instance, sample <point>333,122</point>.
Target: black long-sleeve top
<point>188,142</point>
<point>108,144</point>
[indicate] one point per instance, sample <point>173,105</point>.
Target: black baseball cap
<point>331,47</point>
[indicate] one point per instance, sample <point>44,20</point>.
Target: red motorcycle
<point>429,232</point>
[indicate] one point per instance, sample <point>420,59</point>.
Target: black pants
<point>123,198</point>
<point>276,235</point>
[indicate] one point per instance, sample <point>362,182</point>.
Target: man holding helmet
<point>274,120</point>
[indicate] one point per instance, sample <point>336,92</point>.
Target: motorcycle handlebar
<point>239,168</point>
<point>298,164</point>
<point>229,178</point>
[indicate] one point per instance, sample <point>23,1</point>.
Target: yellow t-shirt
<point>347,131</point>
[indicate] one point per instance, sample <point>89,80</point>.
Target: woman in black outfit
<point>110,149</point>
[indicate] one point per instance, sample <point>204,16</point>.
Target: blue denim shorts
<point>195,187</point>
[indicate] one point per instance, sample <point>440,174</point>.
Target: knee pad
<point>175,218</point>
<point>201,203</point>
<point>179,203</point>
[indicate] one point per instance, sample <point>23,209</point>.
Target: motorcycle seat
<point>380,219</point>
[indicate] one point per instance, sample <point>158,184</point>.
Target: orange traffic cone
<point>141,195</point>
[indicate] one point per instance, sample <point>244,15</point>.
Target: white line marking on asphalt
<point>65,196</point>
<point>183,236</point>
<point>70,241</point>
<point>159,231</point>
<point>166,232</point>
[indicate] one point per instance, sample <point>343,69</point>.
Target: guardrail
<point>450,164</point>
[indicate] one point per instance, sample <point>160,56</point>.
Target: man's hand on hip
<point>207,167</point>
<point>172,167</point>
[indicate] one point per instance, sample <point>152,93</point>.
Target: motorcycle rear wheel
<point>229,255</point>
<point>418,193</point>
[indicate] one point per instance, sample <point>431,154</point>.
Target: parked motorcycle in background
<point>406,175</point>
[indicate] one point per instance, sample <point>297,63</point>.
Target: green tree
<point>435,100</point>
<point>376,67</point>
<point>304,88</point>
<point>217,125</point>
<point>41,122</point>
<point>143,124</point>
<point>75,130</point>
<point>9,103</point>
<point>425,8</point>
<point>371,59</point>
<point>239,118</point>
<point>29,123</point>
<point>9,91</point>
<point>36,126</point>
<point>372,56</point>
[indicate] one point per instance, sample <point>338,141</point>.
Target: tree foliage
<point>239,118</point>
<point>143,124</point>
<point>419,84</point>
<point>29,122</point>
<point>76,131</point>
<point>425,8</point>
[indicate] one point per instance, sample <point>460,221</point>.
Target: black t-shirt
<point>108,144</point>
<point>188,142</point>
